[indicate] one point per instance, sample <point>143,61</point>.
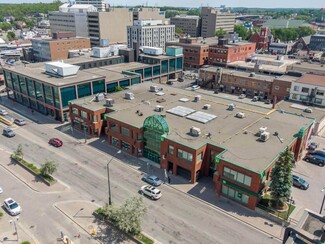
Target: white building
<point>309,89</point>
<point>99,4</point>
<point>71,18</point>
<point>151,33</point>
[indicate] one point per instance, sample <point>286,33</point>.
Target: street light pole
<point>15,226</point>
<point>321,208</point>
<point>108,180</point>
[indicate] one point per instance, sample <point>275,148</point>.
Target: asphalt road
<point>175,218</point>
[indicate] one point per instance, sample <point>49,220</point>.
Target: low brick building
<point>212,141</point>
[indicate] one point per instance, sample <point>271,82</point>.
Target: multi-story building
<point>251,84</point>
<point>58,47</point>
<point>309,89</point>
<point>262,39</point>
<point>99,4</point>
<point>236,153</point>
<point>151,33</point>
<point>71,18</point>
<point>148,13</point>
<point>110,25</point>
<point>50,91</point>
<point>317,43</point>
<point>190,25</point>
<point>213,20</point>
<point>226,52</point>
<point>195,50</point>
<point>280,48</point>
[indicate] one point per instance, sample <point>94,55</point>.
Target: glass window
<point>83,114</point>
<point>164,66</point>
<point>125,146</point>
<point>30,86</point>
<point>199,158</point>
<point>140,137</point>
<point>156,70</point>
<point>305,90</point>
<point>303,98</point>
<point>68,94</point>
<point>98,86</point>
<point>124,83</point>
<point>33,104</point>
<point>237,176</point>
<point>320,93</point>
<point>113,126</point>
<point>172,65</point>
<point>139,71</point>
<point>84,90</point>
<point>39,91</point>
<point>48,94</point>
<point>22,84</point>
<point>115,141</point>
<point>179,64</point>
<point>95,119</point>
<point>318,101</point>
<point>184,155</point>
<point>294,96</point>
<point>296,88</point>
<point>135,80</point>
<point>171,149</point>
<point>240,177</point>
<point>238,196</point>
<point>56,97</point>
<point>247,180</point>
<point>111,87</point>
<point>8,79</point>
<point>147,72</point>
<point>75,111</point>
<point>125,131</point>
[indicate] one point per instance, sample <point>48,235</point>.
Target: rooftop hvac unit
<point>194,131</point>
<point>100,97</point>
<point>262,130</point>
<point>265,136</point>
<point>129,95</point>
<point>159,108</point>
<point>197,98</point>
<point>154,88</point>
<point>240,115</point>
<point>109,102</point>
<point>207,106</point>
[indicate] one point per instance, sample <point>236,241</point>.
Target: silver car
<point>3,112</point>
<point>12,206</point>
<point>20,122</point>
<point>151,192</point>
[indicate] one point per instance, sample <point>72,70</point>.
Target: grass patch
<point>284,215</point>
<point>144,239</point>
<point>1,214</point>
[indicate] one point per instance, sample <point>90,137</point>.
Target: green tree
<point>281,178</point>
<point>18,153</point>
<point>49,167</point>
<point>128,217</point>
<point>179,31</point>
<point>193,12</point>
<point>242,31</point>
<point>11,36</point>
<point>220,32</point>
<point>119,88</point>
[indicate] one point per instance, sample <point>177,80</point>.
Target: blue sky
<point>213,3</point>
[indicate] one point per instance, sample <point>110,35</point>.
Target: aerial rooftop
<point>181,112</point>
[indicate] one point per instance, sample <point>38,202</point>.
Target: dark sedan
<point>55,142</point>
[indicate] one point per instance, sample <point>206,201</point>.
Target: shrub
<point>1,214</point>
<point>25,242</point>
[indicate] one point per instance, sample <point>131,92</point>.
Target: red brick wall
<point>60,49</point>
<point>280,89</point>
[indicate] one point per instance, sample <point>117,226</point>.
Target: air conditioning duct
<point>129,95</point>
<point>194,131</point>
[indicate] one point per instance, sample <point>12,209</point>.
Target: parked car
<point>195,87</point>
<point>20,122</point>
<point>317,152</point>
<point>315,159</point>
<point>242,96</point>
<point>300,182</point>
<point>1,190</point>
<point>268,101</point>
<point>12,206</point>
<point>3,112</point>
<point>312,146</point>
<point>152,180</point>
<point>255,99</point>
<point>55,142</point>
<point>8,132</point>
<point>151,192</point>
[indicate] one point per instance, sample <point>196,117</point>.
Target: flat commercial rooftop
<point>234,134</point>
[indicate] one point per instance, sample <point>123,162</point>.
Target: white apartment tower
<point>99,4</point>
<point>151,33</point>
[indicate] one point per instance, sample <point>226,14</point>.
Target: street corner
<point>81,213</point>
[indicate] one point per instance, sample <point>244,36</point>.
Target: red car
<point>55,142</point>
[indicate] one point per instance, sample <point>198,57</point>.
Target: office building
<point>48,87</point>
<point>99,4</point>
<point>71,18</point>
<point>110,25</point>
<point>151,33</point>
<point>148,13</point>
<point>235,152</point>
<point>317,43</point>
<point>214,20</point>
<point>58,47</point>
<point>190,25</point>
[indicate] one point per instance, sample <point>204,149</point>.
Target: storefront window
<point>56,97</point>
<point>30,86</point>
<point>98,86</point>
<point>8,79</point>
<point>164,66</point>
<point>125,146</point>
<point>111,87</point>
<point>135,81</point>
<point>236,195</point>
<point>139,71</point>
<point>179,64</point>
<point>48,94</point>
<point>39,91</point>
<point>147,72</point>
<point>84,90</point>
<point>156,70</point>
<point>22,84</point>
<point>15,82</point>
<point>171,65</point>
<point>115,142</point>
<point>68,94</point>
<point>124,83</point>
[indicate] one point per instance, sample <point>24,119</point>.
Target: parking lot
<point>315,176</point>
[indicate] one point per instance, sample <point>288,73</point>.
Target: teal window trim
<point>239,188</point>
